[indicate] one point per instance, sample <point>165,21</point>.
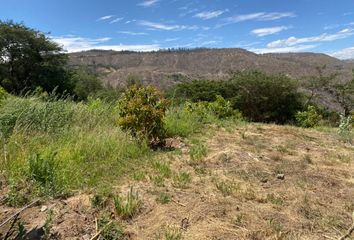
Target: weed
<point>17,196</point>
<point>239,220</point>
<point>163,198</point>
<point>129,207</point>
<point>163,169</point>
<point>274,199</point>
<point>172,233</point>
<point>159,181</point>
<point>182,179</point>
<point>112,231</point>
<point>197,152</point>
<point>225,187</point>
<point>48,224</point>
<point>139,176</point>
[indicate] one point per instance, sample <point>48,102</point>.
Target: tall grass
<point>90,150</point>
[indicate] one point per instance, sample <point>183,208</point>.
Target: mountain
<point>165,68</point>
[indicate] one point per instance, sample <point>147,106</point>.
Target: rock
<point>281,176</point>
<point>44,208</point>
<point>86,237</point>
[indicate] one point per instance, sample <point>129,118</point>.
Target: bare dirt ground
<point>254,182</point>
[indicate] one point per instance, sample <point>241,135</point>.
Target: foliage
<point>29,59</point>
<point>129,207</point>
<point>260,97</point>
<point>344,93</point>
<point>3,95</point>
<point>142,110</point>
<point>182,179</point>
<point>112,231</point>
<point>42,170</point>
<point>309,118</point>
<point>266,98</point>
<point>163,198</point>
<point>85,84</point>
<point>345,126</point>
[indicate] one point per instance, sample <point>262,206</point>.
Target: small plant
<point>182,179</point>
<point>163,198</point>
<point>48,224</point>
<point>139,176</point>
<point>99,201</point>
<point>226,188</point>
<point>159,181</point>
<point>274,199</point>
<point>172,233</point>
<point>309,118</point>
<point>129,207</point>
<point>17,196</point>
<point>345,126</point>
<point>110,230</point>
<point>142,110</point>
<point>42,170</point>
<point>221,108</point>
<point>163,169</point>
<point>197,152</point>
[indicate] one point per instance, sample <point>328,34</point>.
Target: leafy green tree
<point>266,98</point>
<point>28,58</point>
<point>85,84</point>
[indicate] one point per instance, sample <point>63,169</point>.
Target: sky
<point>260,26</point>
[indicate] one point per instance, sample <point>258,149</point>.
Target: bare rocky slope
<point>164,68</point>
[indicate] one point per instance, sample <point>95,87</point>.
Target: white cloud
<point>346,53</point>
<point>77,44</point>
<point>299,48</point>
<point>148,3</point>
<point>292,41</point>
<point>260,16</point>
<point>260,32</point>
<point>161,26</point>
<point>105,18</point>
<point>132,33</point>
<point>116,20</point>
<point>209,15</point>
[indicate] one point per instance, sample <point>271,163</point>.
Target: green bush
<point>3,95</point>
<point>142,110</point>
<point>266,98</point>
<point>309,118</point>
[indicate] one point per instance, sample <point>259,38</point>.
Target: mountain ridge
<point>165,68</point>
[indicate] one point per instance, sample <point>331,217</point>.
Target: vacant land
<point>229,181</point>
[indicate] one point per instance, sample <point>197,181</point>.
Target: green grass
<point>182,179</point>
<point>60,146</point>
<point>128,207</point>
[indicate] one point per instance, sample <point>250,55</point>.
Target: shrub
<point>3,95</point>
<point>221,107</point>
<point>309,118</point>
<point>266,98</point>
<point>142,110</point>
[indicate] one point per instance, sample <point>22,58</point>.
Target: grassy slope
<point>219,183</point>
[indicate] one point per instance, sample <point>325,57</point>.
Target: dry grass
<point>238,195</point>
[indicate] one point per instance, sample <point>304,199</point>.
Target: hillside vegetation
<point>202,160</point>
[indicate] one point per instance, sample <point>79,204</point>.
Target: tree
<point>266,98</point>
<point>28,58</point>
<point>85,84</point>
<point>344,94</point>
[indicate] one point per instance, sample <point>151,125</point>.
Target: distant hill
<point>164,68</point>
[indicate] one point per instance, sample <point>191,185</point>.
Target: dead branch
<point>18,212</point>
<point>350,230</point>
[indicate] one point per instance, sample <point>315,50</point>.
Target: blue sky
<point>257,25</point>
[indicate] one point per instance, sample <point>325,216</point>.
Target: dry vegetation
<point>244,181</point>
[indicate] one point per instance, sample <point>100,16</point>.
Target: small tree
<point>142,110</point>
<point>309,118</point>
<point>344,93</point>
